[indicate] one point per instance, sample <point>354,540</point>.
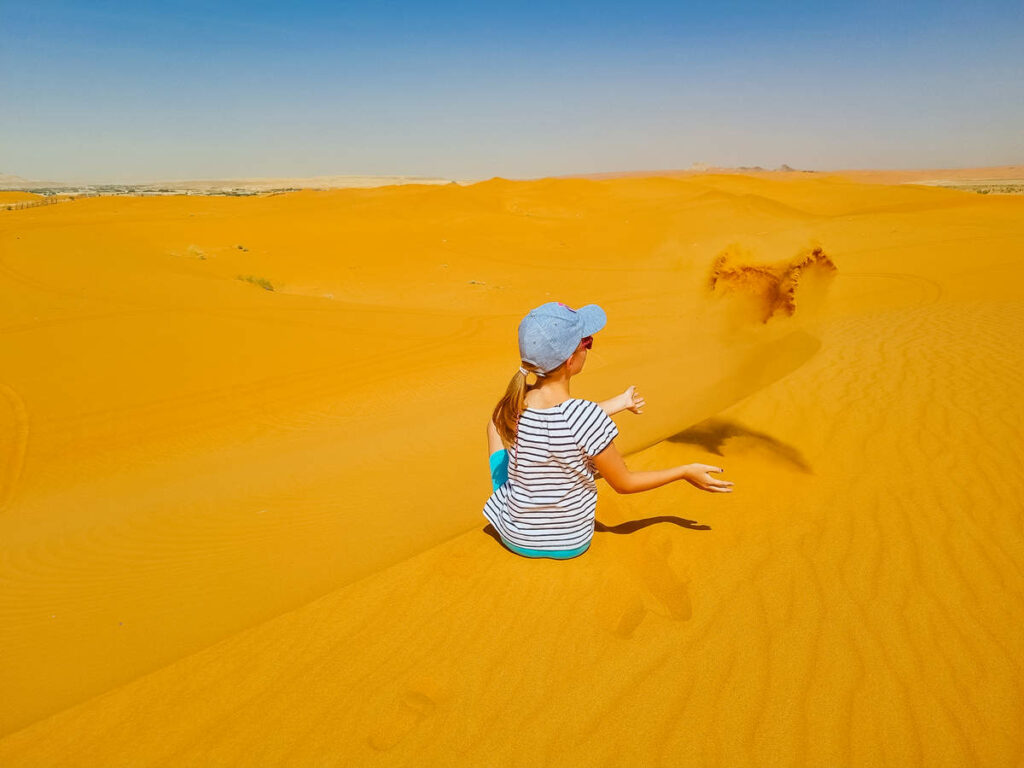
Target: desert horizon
<point>975,174</point>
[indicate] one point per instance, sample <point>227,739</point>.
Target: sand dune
<point>863,176</point>
<point>242,526</point>
<point>18,197</point>
<point>12,200</point>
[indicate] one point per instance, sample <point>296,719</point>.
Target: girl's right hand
<point>633,400</point>
<point>697,476</point>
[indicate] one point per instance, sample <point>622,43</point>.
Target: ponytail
<point>507,411</point>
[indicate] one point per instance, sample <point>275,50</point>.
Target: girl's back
<point>548,502</point>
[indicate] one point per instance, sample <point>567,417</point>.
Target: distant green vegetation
<point>990,189</point>
<point>33,203</point>
<point>262,282</point>
<point>143,190</point>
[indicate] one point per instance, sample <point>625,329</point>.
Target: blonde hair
<point>507,411</point>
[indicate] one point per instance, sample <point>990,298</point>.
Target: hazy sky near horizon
<point>112,91</point>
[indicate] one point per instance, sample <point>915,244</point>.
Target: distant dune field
<point>243,463</point>
<point>906,176</point>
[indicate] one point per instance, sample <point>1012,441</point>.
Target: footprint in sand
<point>645,558</point>
<point>415,705</point>
<point>660,579</point>
<point>621,617</point>
<point>620,605</point>
<point>672,592</point>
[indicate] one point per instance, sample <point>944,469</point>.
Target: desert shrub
<point>262,282</point>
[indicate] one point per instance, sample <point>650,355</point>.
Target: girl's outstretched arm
<point>630,400</point>
<point>613,469</point>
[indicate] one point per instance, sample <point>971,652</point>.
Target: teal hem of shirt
<point>562,554</point>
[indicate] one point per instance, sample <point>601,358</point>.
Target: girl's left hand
<point>633,401</point>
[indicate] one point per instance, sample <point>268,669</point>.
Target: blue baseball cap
<point>549,334</point>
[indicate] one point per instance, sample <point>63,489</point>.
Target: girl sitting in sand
<point>543,503</point>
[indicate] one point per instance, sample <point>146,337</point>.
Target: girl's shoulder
<point>581,402</point>
<point>575,406</point>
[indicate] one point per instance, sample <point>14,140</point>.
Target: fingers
<point>634,399</point>
<point>716,485</point>
<point>637,403</point>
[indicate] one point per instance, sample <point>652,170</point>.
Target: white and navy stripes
<point>549,500</point>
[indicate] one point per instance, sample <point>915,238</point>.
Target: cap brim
<point>593,318</point>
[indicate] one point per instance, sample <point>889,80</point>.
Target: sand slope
<point>190,460</point>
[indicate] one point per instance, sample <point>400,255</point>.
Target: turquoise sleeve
<point>499,468</point>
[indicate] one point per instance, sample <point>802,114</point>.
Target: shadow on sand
<point>712,434</point>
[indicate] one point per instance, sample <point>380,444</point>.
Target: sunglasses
<point>587,342</point>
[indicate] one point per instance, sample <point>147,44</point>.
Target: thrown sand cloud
<point>770,289</point>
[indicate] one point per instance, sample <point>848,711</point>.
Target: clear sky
<point>142,91</point>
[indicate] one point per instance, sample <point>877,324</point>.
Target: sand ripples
<point>856,601</point>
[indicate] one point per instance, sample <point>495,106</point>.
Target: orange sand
<point>242,527</point>
<point>18,197</point>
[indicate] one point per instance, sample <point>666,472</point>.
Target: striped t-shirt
<point>549,500</point>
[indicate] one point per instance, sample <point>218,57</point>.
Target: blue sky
<point>112,91</point>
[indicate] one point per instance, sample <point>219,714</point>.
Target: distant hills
<point>10,179</point>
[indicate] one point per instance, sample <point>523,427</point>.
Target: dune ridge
<point>205,538</point>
